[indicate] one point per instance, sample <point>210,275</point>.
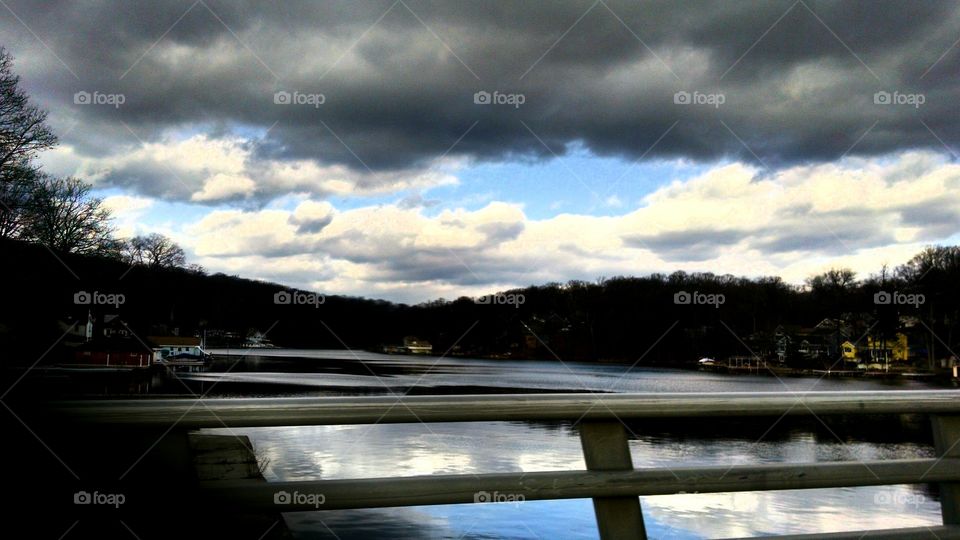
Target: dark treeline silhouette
<point>644,318</point>
<point>621,319</point>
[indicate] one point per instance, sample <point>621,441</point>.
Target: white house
<point>170,347</point>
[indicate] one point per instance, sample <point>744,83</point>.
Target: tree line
<point>630,318</point>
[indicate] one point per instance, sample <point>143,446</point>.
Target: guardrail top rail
<point>610,479</point>
<point>248,412</point>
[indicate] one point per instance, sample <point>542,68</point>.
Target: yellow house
<point>849,351</point>
<point>877,350</point>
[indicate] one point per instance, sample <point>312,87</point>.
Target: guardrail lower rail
<point>610,479</point>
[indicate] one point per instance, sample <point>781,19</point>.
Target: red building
<point>113,355</point>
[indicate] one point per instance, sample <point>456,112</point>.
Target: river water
<point>330,452</point>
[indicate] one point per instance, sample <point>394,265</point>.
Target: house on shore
<point>411,345</point>
<point>416,345</point>
<point>876,350</point>
<point>176,347</point>
<point>112,354</point>
<point>258,340</point>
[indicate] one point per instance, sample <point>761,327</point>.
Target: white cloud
<point>613,201</point>
<point>230,233</point>
<point>728,220</point>
<point>312,216</point>
<point>126,212</point>
<point>224,186</point>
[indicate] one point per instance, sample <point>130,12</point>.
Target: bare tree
<point>835,279</point>
<point>23,128</point>
<point>933,273</point>
<point>63,216</point>
<point>23,133</point>
<point>16,188</point>
<point>154,250</point>
<point>833,290</point>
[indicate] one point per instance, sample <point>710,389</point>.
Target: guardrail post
<point>946,441</point>
<point>605,449</point>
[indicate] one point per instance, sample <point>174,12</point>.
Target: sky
<point>410,150</point>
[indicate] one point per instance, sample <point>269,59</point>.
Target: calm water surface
<point>329,452</point>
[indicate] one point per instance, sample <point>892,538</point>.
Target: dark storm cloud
<point>311,225</point>
<point>937,219</point>
<point>395,96</point>
<point>689,245</point>
<point>801,229</point>
<point>501,232</point>
<point>416,200</point>
<point>152,179</point>
<point>832,233</point>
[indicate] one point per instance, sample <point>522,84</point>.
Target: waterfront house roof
<point>115,345</point>
<point>413,341</point>
<point>174,341</point>
<point>909,321</point>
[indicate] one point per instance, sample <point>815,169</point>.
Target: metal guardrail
<point>610,479</point>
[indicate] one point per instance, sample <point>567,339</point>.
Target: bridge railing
<point>610,479</point>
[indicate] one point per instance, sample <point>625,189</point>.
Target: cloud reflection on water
<point>320,452</point>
